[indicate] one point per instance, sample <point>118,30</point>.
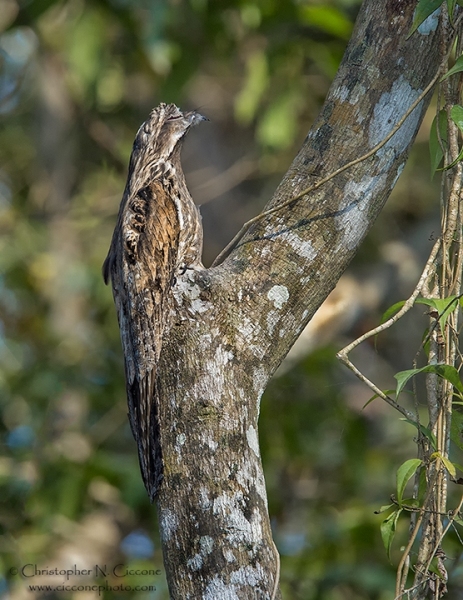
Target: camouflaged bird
<point>157,237</point>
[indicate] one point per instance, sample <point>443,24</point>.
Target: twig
<point>401,595</point>
<point>400,578</point>
<point>406,413</point>
<point>277,572</point>
<point>451,515</point>
<point>342,355</point>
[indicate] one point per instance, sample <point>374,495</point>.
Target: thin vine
<point>421,571</point>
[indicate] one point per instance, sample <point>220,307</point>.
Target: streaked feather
<point>158,235</point>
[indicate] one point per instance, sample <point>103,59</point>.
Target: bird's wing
<point>150,233</point>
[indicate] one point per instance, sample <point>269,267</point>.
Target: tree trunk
<point>235,323</point>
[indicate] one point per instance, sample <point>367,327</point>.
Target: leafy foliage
<point>446,371</point>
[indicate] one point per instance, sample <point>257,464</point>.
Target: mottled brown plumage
<point>157,237</point>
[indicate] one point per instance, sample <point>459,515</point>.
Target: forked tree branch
<point>236,322</point>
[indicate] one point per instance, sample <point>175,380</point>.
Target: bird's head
<point>164,129</point>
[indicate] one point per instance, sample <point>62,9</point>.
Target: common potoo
<point>157,237</point>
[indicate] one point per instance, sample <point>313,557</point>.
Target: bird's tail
<point>144,421</point>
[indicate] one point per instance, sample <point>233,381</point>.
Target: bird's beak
<point>194,118</point>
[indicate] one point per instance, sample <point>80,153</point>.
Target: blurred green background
<point>77,78</point>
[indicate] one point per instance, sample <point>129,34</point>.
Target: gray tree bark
<point>235,323</point>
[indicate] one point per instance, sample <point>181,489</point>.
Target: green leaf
<point>424,431</point>
<point>404,474</point>
<point>433,568</point>
<point>450,374</point>
<point>449,466</point>
<point>423,9</point>
<point>384,508</point>
<point>422,486</point>
<point>456,113</point>
<point>445,371</point>
<point>391,311</point>
<point>451,8</point>
<point>385,392</point>
<point>388,529</point>
<point>403,377</point>
<point>457,68</point>
<point>443,306</point>
<point>435,148</point>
